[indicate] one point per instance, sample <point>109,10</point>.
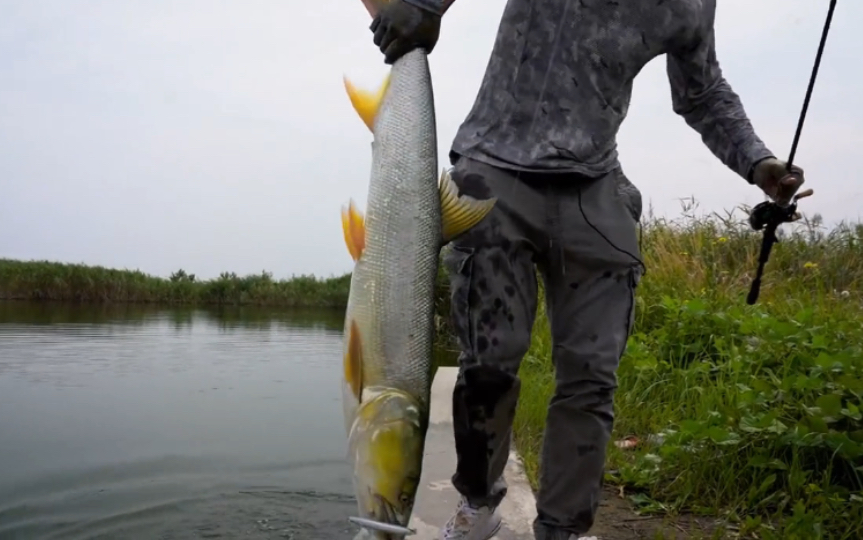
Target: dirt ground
<point>617,520</point>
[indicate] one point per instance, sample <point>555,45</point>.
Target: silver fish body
<point>392,285</point>
<point>389,320</point>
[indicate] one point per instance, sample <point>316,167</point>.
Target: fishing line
<point>769,215</point>
<point>612,244</point>
<point>555,48</point>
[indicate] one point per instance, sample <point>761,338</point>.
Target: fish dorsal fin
<point>353,361</point>
<point>459,214</point>
<point>354,229</point>
<point>367,104</point>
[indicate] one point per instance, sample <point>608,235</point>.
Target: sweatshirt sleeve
<point>705,100</point>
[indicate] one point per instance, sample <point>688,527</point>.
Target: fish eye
<point>405,499</point>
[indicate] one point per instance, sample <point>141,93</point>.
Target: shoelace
<point>463,508</point>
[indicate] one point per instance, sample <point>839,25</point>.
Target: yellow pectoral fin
<point>354,229</point>
<point>353,361</point>
<point>459,214</point>
<point>367,103</point>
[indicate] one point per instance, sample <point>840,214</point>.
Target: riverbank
<point>758,408</point>
<point>43,280</point>
<point>65,282</point>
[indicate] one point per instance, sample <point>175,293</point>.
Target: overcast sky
<point>216,135</point>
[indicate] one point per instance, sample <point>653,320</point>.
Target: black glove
<point>401,27</point>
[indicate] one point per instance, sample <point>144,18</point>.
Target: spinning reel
<point>768,215</point>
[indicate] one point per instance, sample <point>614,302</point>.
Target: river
<point>134,422</point>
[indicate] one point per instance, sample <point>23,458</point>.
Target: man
<point>541,137</point>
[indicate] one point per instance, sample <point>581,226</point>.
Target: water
<point>131,422</point>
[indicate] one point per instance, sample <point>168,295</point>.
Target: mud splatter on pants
<point>539,223</point>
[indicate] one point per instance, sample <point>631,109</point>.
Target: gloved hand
<point>774,179</point>
<point>401,27</point>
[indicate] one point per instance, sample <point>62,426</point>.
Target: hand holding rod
<point>769,215</point>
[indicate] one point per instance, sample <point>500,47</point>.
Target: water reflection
<point>137,421</point>
<point>181,317</point>
<point>122,421</point>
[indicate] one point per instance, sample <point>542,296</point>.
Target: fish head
<point>386,445</point>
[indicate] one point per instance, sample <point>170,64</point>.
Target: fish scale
<point>389,321</point>
<point>393,284</point>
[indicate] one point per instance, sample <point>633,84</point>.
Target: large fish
<point>389,321</point>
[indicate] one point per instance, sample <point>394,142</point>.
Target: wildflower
<point>722,240</point>
<point>810,265</point>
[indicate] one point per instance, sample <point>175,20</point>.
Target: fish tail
<point>459,213</point>
<point>367,104</point>
<point>364,102</point>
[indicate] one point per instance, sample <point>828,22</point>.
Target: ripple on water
<point>115,423</point>
<point>182,498</point>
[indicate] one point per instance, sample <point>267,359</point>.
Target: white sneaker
<point>469,523</point>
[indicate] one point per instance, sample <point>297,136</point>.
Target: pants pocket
<point>458,262</point>
<point>632,283</point>
<point>628,195</point>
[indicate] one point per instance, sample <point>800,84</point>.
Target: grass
<point>758,409</point>
<point>41,280</point>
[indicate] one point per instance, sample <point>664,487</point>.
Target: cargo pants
<point>581,234</point>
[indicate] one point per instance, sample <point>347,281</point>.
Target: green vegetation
<point>39,280</point>
<point>751,413</point>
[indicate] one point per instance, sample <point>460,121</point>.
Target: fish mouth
<point>385,521</point>
<point>386,512</point>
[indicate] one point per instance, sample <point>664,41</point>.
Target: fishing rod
<point>768,215</point>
